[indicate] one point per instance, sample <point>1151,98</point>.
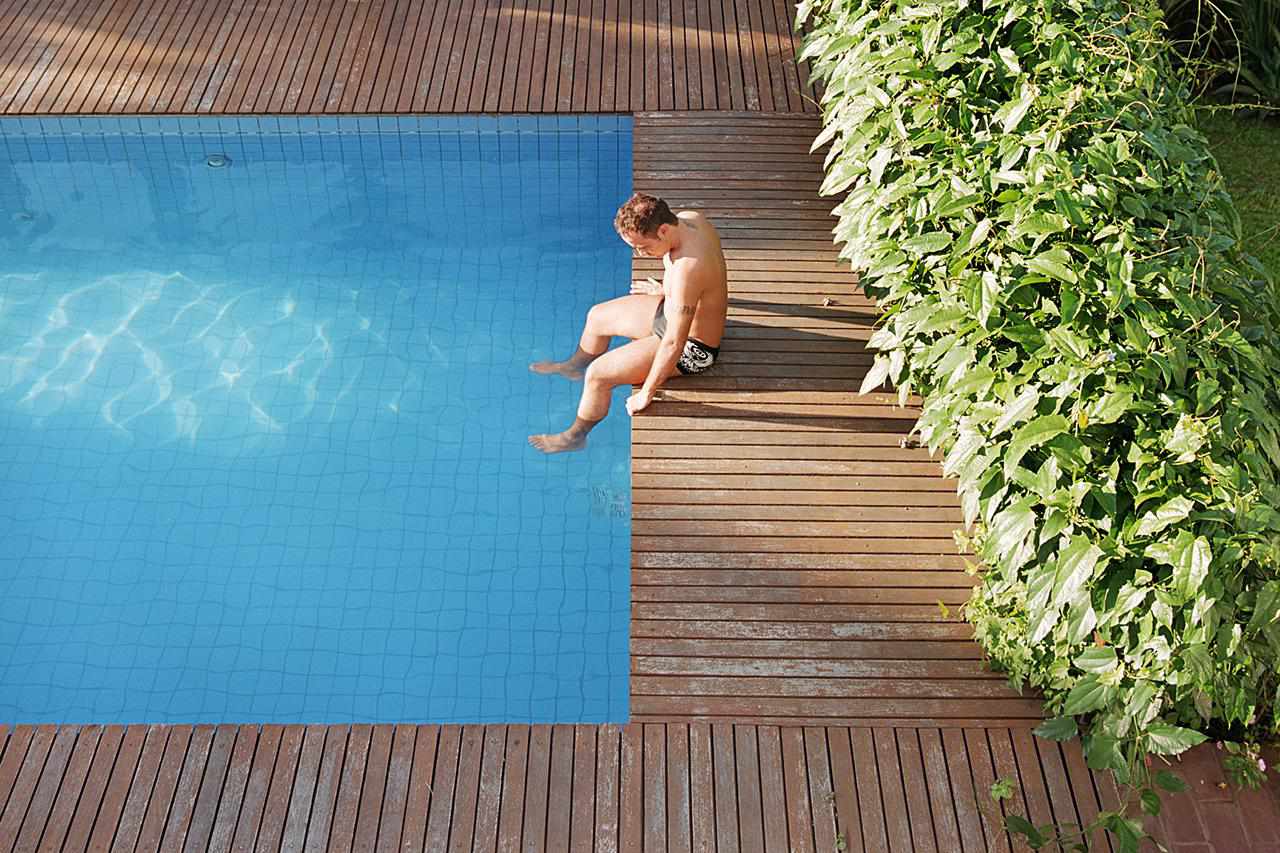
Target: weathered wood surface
<point>792,563</point>
<point>398,56</point>
<point>670,788</point>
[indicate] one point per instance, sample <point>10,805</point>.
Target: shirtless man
<point>675,327</point>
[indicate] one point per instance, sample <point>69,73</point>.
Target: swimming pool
<point>264,394</point>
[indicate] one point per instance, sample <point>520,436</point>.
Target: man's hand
<point>648,287</point>
<point>639,401</point>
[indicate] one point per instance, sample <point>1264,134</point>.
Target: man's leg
<point>627,316</point>
<point>627,365</point>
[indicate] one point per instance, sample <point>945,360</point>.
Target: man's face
<point>645,246</point>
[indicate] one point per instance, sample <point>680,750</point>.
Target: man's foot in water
<point>560,442</point>
<point>567,369</point>
<point>573,367</point>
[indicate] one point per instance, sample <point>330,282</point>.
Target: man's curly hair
<point>642,214</point>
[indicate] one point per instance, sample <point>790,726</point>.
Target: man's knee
<point>596,375</point>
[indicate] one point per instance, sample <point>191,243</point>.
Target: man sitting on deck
<point>675,326</point>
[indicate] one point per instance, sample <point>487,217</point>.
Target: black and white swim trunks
<point>696,357</point>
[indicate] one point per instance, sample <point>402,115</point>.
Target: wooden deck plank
<point>963,791</point>
<point>725,787</point>
<point>254,84</point>
<point>303,789</point>
<point>892,792</point>
<point>1031,778</point>
<point>489,799</point>
<point>679,794</point>
<point>796,778</point>
<point>69,790</point>
<point>946,831</point>
<point>22,831</point>
<point>871,810</point>
<point>1061,800</point>
<point>655,790</point>
<point>631,790</point>
<point>844,789</point>
<point>416,63</point>
<point>491,87</point>
<point>756,791</point>
<point>822,799</point>
<point>916,787</point>
<point>399,782</point>
<point>95,790</point>
<point>511,812</point>
<point>275,813</point>
<point>36,42</point>
<point>253,803</point>
<point>226,802</point>
<point>585,26</point>
<point>67,92</point>
<point>608,788</point>
<point>468,55</point>
<point>984,776</point>
<point>537,779</point>
<point>231,82</point>
<point>466,791</point>
<point>116,788</point>
<point>374,791</point>
<point>583,789</point>
<point>444,781</point>
<point>141,788</point>
<point>554,61</point>
<point>169,828</point>
<point>773,788</point>
<point>325,796</point>
<point>611,58</point>
<point>702,806</point>
<point>418,801</point>
<point>346,808</point>
<point>1086,798</point>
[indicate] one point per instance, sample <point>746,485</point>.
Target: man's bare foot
<point>567,369</point>
<point>559,442</point>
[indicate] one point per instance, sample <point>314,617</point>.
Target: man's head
<point>646,224</point>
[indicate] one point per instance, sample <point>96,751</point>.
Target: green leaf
<point>876,375</point>
<point>1190,557</point>
<point>1110,407</point>
<point>1021,826</point>
<point>927,244</point>
<point>1167,513</point>
<point>1171,740</point>
<point>1011,527</point>
<point>1002,789</point>
<point>1151,802</point>
<point>1170,781</point>
<point>1059,729</point>
<point>1017,410</point>
<point>1053,263</point>
<point>1267,608</point>
<point>1102,752</point>
<point>1087,695</point>
<point>1076,564</point>
<point>1032,435</point>
<point>1097,660</point>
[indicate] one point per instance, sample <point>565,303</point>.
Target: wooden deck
<point>670,788</point>
<point>792,564</point>
<point>397,56</point>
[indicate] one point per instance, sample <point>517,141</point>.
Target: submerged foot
<point>559,442</point>
<point>567,369</point>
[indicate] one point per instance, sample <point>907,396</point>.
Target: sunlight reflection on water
<point>168,358</point>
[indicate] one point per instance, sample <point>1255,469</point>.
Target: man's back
<point>702,263</point>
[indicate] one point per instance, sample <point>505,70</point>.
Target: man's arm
<point>679,309</point>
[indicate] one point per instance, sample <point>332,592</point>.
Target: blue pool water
<point>264,424</point>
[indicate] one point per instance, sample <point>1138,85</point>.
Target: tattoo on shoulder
<point>686,309</point>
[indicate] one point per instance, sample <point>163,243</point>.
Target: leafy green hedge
<point>1059,270</point>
